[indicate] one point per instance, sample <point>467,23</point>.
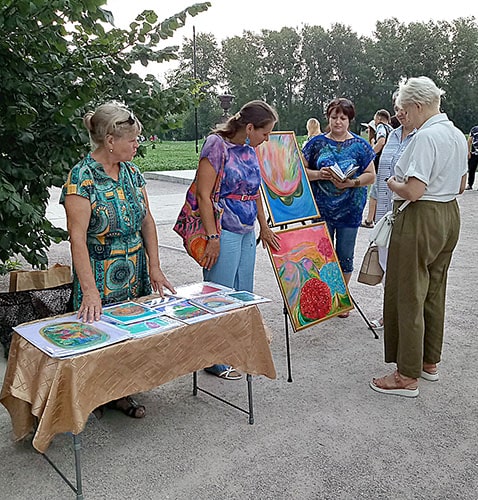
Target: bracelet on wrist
<point>212,237</point>
<point>357,182</point>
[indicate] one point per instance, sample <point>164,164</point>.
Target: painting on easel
<point>309,276</point>
<point>285,185</point>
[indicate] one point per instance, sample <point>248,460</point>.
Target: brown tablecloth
<point>62,393</point>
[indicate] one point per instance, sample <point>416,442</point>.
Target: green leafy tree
<point>461,97</point>
<point>201,61</point>
<point>58,60</point>
<point>281,65</point>
<point>242,69</point>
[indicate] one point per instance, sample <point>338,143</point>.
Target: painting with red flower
<point>309,276</point>
<point>285,185</point>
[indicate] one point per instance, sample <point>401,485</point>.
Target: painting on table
<point>68,336</point>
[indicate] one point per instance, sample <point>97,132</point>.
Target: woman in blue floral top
<point>340,203</point>
<point>114,244</point>
<point>230,259</point>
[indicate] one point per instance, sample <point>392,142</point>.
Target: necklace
<point>342,139</point>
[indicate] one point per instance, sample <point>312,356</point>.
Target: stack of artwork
<point>306,266</point>
<point>67,336</point>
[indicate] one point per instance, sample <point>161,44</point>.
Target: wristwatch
<point>357,182</point>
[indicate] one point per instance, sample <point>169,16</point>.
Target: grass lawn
<point>169,155</point>
<point>173,155</point>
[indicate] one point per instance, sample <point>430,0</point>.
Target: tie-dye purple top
<point>241,176</point>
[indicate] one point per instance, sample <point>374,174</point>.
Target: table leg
<point>76,449</point>
<point>195,383</point>
<point>249,397</point>
<point>249,411</point>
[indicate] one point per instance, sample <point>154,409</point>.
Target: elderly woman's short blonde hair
<point>419,90</point>
<point>111,118</point>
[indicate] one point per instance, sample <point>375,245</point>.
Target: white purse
<point>380,234</point>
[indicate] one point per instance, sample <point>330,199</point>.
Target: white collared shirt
<point>437,156</point>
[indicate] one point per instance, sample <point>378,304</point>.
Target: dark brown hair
<point>341,104</point>
<point>384,114</point>
<point>259,113</point>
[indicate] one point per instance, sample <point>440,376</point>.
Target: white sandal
<point>376,324</point>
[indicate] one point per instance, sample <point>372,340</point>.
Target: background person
<point>340,203</point>
<point>431,172</point>
<point>114,244</point>
<point>230,259</point>
<point>382,131</point>
<point>397,141</point>
<point>313,129</point>
<point>472,156</point>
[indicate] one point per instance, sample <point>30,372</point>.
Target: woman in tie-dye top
<point>229,259</point>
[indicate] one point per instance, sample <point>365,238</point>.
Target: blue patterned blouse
<point>340,207</point>
<point>241,176</point>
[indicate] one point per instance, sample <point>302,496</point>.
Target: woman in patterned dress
<point>113,238</point>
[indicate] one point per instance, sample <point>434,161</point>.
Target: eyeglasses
<point>131,119</point>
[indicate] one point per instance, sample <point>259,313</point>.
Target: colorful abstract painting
<point>127,312</point>
<point>309,276</point>
<point>73,334</point>
<point>285,184</point>
<point>65,336</point>
<point>185,311</point>
<point>216,302</point>
<point>151,326</point>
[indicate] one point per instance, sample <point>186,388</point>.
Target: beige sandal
<point>396,385</point>
<point>430,372</point>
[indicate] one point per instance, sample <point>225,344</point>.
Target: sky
<point>226,18</point>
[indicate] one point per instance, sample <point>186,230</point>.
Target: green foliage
<point>9,265</point>
<point>58,59</point>
<point>300,71</point>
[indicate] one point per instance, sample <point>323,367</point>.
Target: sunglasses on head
<point>131,120</point>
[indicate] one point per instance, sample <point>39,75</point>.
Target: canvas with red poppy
<point>309,275</point>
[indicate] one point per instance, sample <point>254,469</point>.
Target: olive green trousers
<point>423,239</point>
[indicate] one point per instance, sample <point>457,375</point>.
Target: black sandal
<point>99,412</point>
<point>128,406</point>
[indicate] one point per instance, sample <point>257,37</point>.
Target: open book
<point>342,175</point>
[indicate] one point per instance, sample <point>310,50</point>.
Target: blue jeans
<point>237,258</point>
<point>344,241</point>
<point>234,267</point>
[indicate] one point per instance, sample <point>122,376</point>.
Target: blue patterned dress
<point>340,207</point>
<point>114,239</point>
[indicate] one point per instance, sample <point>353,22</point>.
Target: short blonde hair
<point>111,118</point>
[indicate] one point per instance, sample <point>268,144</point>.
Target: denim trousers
<point>344,242</point>
<point>237,258</point>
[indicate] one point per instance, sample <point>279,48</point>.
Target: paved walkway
<point>324,436</point>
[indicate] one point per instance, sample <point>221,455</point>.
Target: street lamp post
<point>226,103</point>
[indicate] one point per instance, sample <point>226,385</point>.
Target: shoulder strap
<point>403,206</point>
<point>220,174</point>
